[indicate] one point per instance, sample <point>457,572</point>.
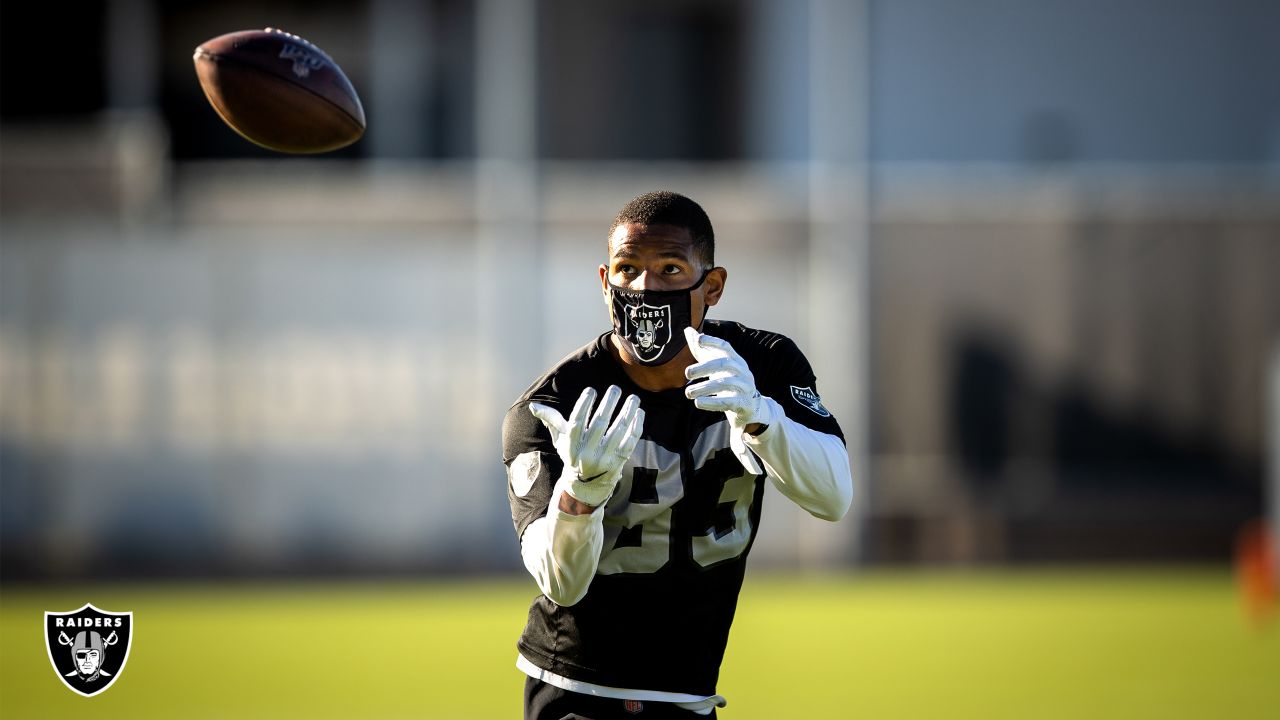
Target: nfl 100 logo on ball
<point>88,647</point>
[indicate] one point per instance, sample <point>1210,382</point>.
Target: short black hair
<point>663,207</point>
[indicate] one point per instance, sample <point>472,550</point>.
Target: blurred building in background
<point>1032,249</point>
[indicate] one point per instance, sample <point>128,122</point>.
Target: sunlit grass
<point>1068,644</point>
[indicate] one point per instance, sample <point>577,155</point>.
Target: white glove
<point>593,456</point>
<point>729,388</point>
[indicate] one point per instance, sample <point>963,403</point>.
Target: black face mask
<point>651,323</point>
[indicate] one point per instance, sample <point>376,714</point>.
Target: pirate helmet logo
<point>649,329</point>
<point>88,647</point>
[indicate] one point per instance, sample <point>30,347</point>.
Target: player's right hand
<point>593,451</point>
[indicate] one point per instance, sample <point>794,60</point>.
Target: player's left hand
<point>729,386</point>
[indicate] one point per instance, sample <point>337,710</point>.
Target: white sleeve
<point>809,467</point>
<point>561,551</point>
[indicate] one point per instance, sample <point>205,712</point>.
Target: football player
<point>635,515</point>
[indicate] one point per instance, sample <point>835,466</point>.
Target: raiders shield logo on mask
<point>644,320</point>
<point>648,328</point>
<point>88,647</point>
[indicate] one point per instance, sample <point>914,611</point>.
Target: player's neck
<point>668,376</point>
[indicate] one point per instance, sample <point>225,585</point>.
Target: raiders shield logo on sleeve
<point>808,398</point>
<point>88,647</point>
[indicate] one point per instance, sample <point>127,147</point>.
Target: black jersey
<point>677,530</point>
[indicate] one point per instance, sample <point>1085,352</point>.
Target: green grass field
<point>1025,644</point>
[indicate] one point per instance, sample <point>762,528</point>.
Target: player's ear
<point>713,286</point>
<point>604,283</point>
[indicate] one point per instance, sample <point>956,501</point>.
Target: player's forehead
<point>633,241</point>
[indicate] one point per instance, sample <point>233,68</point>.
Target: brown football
<point>280,91</point>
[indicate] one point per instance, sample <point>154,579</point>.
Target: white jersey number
<point>638,523</point>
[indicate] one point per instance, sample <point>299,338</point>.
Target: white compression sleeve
<point>809,467</point>
<point>561,551</point>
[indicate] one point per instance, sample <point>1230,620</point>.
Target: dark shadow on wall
<point>985,383</point>
<point>1098,484</point>
<point>1129,487</point>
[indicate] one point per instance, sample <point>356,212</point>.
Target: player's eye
<point>672,270</point>
<point>625,269</point>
